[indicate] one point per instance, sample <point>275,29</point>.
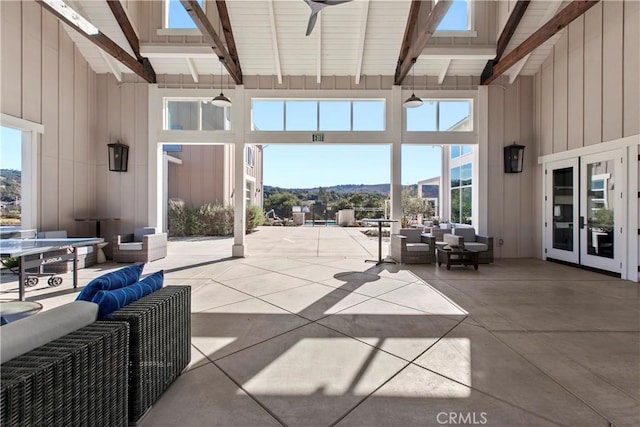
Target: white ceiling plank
<point>115,70</point>
<point>274,41</point>
<point>363,33</point>
<point>459,52</point>
<point>443,71</point>
<point>192,69</point>
<point>552,9</point>
<point>176,51</point>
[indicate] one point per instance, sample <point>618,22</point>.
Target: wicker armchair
<point>411,246</point>
<point>467,237</point>
<point>144,245</point>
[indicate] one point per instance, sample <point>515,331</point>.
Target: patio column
<point>239,203</point>
<point>396,159</point>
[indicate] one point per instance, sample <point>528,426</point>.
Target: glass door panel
<point>562,211</point>
<point>600,211</point>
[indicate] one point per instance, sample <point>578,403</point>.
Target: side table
<point>11,311</point>
<point>456,256</point>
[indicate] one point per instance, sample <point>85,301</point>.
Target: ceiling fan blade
<point>312,22</point>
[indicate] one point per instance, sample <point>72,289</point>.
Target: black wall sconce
<point>513,158</point>
<point>118,157</point>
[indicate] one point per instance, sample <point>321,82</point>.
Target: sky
<point>309,166</point>
<point>10,148</point>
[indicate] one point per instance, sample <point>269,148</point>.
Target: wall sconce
<point>118,157</point>
<point>513,158</point>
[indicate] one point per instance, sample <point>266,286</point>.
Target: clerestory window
<point>176,16</point>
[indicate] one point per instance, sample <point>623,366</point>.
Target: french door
<point>584,211</point>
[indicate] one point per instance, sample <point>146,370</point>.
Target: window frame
<point>472,123</point>
<point>199,100</point>
<point>166,30</point>
<point>469,32</point>
<point>318,109</point>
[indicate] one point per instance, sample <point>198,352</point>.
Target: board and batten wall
<point>588,88</point>
<point>45,79</point>
<point>199,179</point>
<point>512,198</point>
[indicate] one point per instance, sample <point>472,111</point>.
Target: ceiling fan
<point>316,6</point>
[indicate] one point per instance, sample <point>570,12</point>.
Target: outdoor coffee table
<point>456,256</point>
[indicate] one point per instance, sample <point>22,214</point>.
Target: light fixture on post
<point>118,157</point>
<point>513,158</point>
<point>413,101</point>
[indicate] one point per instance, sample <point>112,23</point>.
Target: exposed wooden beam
<point>274,40</point>
<point>225,21</point>
<point>361,39</point>
<point>510,27</point>
<point>572,11</point>
<point>125,26</point>
<point>425,31</point>
<point>142,69</point>
<point>515,70</point>
<point>204,25</point>
<point>409,31</point>
<point>507,32</point>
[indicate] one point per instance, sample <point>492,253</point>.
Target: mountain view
<point>10,187</point>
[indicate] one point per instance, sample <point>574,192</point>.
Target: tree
<point>281,203</point>
<point>412,207</point>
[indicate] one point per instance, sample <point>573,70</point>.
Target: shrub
<point>208,219</point>
<point>255,218</point>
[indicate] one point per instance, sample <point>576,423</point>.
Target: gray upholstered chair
<point>467,237</point>
<point>144,245</point>
<point>411,246</point>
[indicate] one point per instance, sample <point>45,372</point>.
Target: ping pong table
<point>21,249</point>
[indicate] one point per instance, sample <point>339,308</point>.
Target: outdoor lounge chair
<point>144,245</point>
<point>411,246</point>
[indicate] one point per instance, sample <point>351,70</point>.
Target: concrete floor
<point>303,332</point>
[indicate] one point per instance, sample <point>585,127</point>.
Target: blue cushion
<point>155,281</point>
<point>110,281</point>
<point>110,301</point>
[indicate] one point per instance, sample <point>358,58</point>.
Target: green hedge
<point>208,219</point>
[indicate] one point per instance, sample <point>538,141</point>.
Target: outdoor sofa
<point>72,366</point>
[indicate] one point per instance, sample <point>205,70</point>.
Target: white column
<point>480,207</point>
<point>155,210</point>
<point>239,204</point>
<point>396,158</point>
<point>29,192</point>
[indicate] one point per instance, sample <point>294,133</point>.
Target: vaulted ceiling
<point>358,38</point>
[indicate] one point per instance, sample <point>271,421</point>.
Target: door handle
<point>581,222</point>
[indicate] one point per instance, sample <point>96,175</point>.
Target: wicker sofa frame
<point>160,343</point>
<point>79,379</point>
<point>108,373</point>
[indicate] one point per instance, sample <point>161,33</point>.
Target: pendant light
<point>413,101</point>
<point>221,100</point>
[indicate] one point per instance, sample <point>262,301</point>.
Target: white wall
<point>588,88</point>
<point>45,79</point>
<point>512,198</point>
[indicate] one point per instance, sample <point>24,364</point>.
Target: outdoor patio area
<point>303,332</point>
